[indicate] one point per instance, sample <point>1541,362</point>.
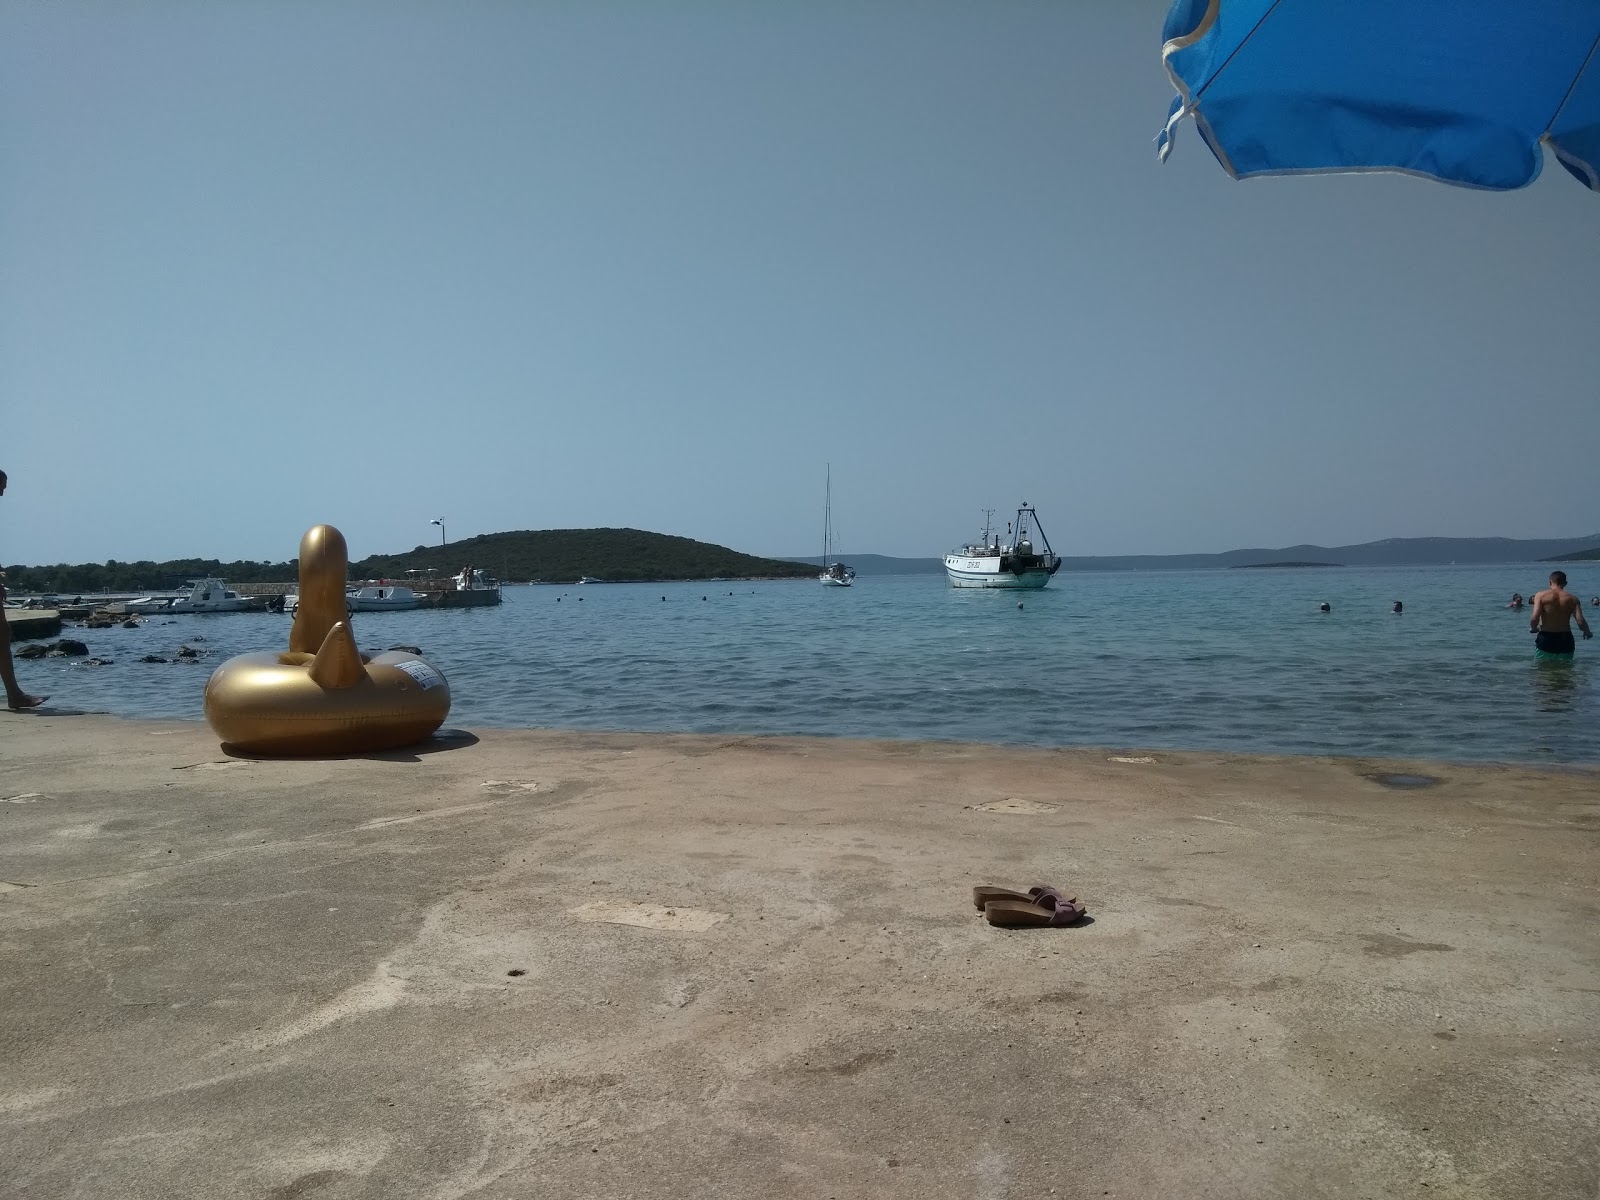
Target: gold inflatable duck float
<point>324,696</point>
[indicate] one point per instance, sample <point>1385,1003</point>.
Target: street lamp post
<point>439,521</point>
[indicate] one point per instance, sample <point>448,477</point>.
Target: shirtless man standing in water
<point>1554,609</point>
<point>16,698</point>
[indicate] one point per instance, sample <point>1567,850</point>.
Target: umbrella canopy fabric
<point>1458,90</point>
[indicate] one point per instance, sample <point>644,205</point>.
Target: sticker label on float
<point>425,675</point>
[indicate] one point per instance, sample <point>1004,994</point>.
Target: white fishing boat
<point>1010,563</point>
<point>203,596</point>
<point>381,597</point>
<point>834,574</point>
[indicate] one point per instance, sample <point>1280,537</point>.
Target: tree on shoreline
<point>548,555</point>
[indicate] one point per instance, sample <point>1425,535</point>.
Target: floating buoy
<point>324,696</point>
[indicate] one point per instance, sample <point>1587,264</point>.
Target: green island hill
<point>567,555</point>
<point>1581,556</point>
<point>541,555</point>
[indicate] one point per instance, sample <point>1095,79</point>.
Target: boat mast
<point>1049,549</point>
<point>827,516</point>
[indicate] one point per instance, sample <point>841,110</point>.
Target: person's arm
<point>1577,611</point>
<point>1533,617</point>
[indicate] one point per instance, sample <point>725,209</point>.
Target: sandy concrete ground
<point>330,979</point>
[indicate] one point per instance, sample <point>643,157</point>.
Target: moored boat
<point>382,597</point>
<point>1012,563</point>
<point>834,574</point>
<point>204,596</point>
<point>474,588</point>
<point>476,579</point>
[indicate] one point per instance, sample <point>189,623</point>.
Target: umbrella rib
<point>1567,95</point>
<point>1253,29</point>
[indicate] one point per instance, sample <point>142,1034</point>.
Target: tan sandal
<point>1050,909</point>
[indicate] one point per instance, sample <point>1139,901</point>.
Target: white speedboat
<point>1012,563</point>
<point>834,574</point>
<point>382,597</point>
<point>204,596</point>
<point>476,579</point>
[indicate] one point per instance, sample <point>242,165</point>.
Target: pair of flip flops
<point>1035,908</point>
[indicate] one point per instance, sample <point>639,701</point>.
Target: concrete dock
<point>538,964</point>
<point>30,624</point>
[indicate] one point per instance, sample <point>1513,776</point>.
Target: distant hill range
<point>1391,552</point>
<point>619,555</point>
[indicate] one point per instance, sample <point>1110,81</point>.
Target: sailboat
<point>834,574</point>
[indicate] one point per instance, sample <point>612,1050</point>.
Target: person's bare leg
<point>16,698</point>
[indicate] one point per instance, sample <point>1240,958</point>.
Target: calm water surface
<point>1226,660</point>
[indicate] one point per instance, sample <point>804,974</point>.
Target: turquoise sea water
<point>1224,660</point>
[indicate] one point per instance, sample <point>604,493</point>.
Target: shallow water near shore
<point>1222,660</point>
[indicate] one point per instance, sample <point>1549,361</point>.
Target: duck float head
<point>323,696</point>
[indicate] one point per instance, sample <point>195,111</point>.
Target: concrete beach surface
<point>568,964</point>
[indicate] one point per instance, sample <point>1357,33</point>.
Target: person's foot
<point>19,702</point>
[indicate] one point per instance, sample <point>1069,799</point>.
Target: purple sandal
<point>1047,908</point>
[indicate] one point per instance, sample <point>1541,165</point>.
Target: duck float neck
<point>324,563</point>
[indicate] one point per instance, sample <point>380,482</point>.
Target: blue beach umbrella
<point>1462,91</point>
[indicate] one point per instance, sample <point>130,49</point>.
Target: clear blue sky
<point>527,265</point>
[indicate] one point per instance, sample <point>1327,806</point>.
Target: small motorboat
<point>204,596</point>
<point>381,597</point>
<point>476,579</point>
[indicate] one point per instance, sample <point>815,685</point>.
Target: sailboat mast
<point>827,516</point>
